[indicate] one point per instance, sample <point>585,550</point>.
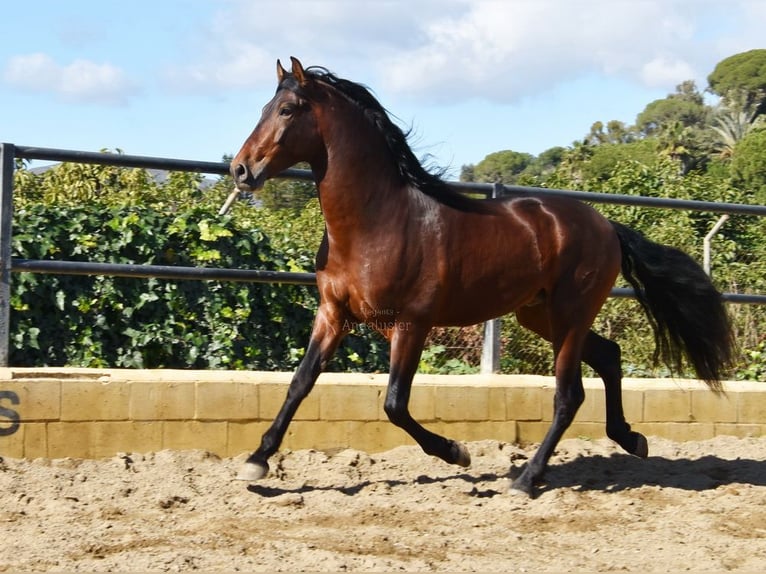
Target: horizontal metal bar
<point>122,160</point>
<point>740,298</point>
<point>486,189</point>
<point>139,161</point>
<point>744,298</point>
<point>222,168</point>
<point>640,200</point>
<point>160,271</point>
<point>241,275</point>
<point>623,293</point>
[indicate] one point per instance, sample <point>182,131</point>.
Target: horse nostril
<point>240,173</point>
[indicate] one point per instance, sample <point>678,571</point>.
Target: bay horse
<point>404,252</point>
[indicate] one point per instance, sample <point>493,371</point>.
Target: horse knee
<point>567,404</point>
<point>299,389</point>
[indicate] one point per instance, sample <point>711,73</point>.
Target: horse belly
<point>491,292</point>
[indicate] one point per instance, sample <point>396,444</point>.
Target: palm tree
<point>731,124</point>
<point>680,143</point>
<point>573,160</point>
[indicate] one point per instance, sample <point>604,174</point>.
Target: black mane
<point>408,165</point>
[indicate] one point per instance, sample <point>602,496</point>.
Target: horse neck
<point>360,187</point>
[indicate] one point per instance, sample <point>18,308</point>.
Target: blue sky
<point>188,78</point>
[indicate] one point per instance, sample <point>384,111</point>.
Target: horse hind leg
<point>406,348</point>
<point>568,397</point>
<point>603,356</point>
<point>578,343</point>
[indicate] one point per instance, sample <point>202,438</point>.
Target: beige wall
<point>97,413</point>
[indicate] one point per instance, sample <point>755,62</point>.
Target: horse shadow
<point>614,473</point>
<point>268,491</point>
<point>273,491</point>
<point>619,472</point>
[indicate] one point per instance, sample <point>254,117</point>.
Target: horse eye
<point>286,111</point>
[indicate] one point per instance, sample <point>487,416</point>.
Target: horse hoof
<point>642,447</point>
<point>462,456</point>
<point>518,492</point>
<point>519,489</point>
<point>252,471</point>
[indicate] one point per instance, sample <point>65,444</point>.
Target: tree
<point>587,167</point>
<point>683,144</point>
<point>685,106</point>
<point>542,167</point>
<point>731,125</point>
<point>740,81</point>
<point>512,167</point>
<point>286,194</point>
<point>77,184</point>
<point>569,172</point>
<point>748,164</point>
<point>616,132</point>
<point>502,166</point>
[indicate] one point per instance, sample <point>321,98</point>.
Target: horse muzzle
<point>247,179</point>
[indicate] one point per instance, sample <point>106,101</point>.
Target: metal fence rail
<point>10,152</point>
<point>161,271</point>
<point>486,189</point>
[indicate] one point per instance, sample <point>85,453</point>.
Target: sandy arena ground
<point>698,506</point>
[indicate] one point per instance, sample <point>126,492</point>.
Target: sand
<point>698,506</point>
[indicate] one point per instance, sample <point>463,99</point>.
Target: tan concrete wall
<point>97,413</point>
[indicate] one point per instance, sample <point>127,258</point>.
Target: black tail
<point>685,310</point>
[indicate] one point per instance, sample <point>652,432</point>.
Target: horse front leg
<point>325,337</point>
<point>406,348</point>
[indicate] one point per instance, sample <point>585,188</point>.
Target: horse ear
<point>281,72</point>
<point>298,71</point>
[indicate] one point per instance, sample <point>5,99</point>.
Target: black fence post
<point>7,157</point>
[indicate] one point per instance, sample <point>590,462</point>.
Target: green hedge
<point>98,321</point>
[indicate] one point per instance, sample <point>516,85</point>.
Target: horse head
<point>286,134</point>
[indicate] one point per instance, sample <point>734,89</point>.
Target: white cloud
<point>234,65</point>
<point>81,81</point>
<point>662,72</point>
<point>506,51</point>
<point>741,29</point>
<point>455,50</point>
<point>244,40</point>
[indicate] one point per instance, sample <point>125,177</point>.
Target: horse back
<point>522,252</point>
